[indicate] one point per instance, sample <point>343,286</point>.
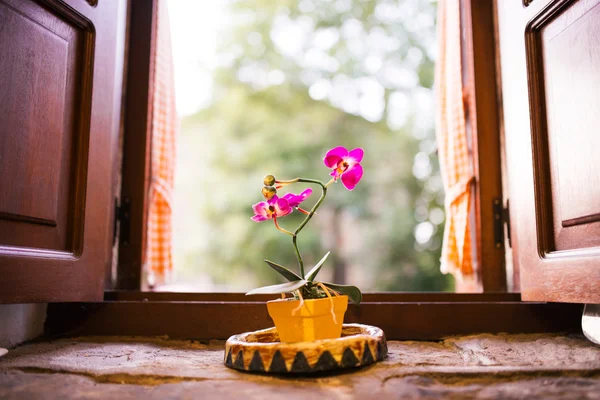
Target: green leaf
<point>283,288</point>
<point>312,274</point>
<point>287,274</point>
<point>352,291</point>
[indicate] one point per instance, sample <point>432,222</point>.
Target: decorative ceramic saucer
<point>261,351</point>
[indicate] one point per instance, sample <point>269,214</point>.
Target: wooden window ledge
<point>402,316</point>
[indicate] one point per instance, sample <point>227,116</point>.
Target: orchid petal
<point>352,176</point>
<point>332,161</point>
<point>294,200</point>
<point>305,194</point>
<point>334,155</point>
<point>260,208</point>
<point>282,204</point>
<point>356,154</point>
<point>283,213</point>
<point>259,218</point>
<point>282,207</point>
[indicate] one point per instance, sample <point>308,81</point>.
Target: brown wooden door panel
<point>45,113</point>
<point>564,48</point>
<point>550,58</point>
<point>60,77</point>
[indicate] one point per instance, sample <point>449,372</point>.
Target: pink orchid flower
<point>271,209</point>
<point>294,200</point>
<point>345,164</point>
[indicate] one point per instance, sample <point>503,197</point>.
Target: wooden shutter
<point>550,71</point>
<point>60,93</point>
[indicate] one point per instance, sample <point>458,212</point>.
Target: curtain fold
<point>456,161</point>
<point>165,124</point>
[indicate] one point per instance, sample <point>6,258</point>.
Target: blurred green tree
<point>297,78</point>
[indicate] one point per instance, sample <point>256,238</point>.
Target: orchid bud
<point>268,192</point>
<point>269,180</point>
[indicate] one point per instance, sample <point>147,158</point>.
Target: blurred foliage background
<point>292,80</point>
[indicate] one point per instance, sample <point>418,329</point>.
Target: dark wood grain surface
<point>367,297</point>
<point>550,104</point>
<point>482,120</point>
<point>137,140</point>
<point>403,316</point>
<point>570,56</point>
<point>59,105</point>
<point>44,114</point>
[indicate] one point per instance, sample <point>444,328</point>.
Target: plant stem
<point>316,206</point>
<point>280,228</point>
<point>280,184</point>
<point>300,261</point>
<point>308,217</point>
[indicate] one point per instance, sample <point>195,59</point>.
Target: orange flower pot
<point>313,321</point>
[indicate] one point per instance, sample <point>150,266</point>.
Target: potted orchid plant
<point>315,309</point>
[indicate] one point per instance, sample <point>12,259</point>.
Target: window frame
<point>483,109</point>
<point>402,315</point>
<point>136,148</point>
<point>479,55</point>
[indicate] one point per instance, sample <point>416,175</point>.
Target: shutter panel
<point>550,57</point>
<point>60,79</point>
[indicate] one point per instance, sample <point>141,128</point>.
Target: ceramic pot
<point>314,321</point>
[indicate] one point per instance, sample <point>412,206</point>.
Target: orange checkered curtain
<point>456,161</point>
<point>158,254</point>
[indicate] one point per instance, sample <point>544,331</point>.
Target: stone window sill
<point>536,365</point>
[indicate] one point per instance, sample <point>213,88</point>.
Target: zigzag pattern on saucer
<point>261,351</point>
